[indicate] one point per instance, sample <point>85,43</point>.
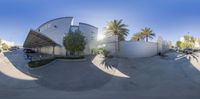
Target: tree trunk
<point>146,38</point>
<point>53,52</point>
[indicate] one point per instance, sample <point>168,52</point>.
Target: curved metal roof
<point>88,25</point>
<point>53,20</point>
<point>36,39</point>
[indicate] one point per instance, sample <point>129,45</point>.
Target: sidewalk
<point>18,60</point>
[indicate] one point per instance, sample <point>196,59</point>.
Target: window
<point>92,37</point>
<point>45,27</point>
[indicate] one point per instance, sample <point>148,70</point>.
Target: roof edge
<point>88,25</point>
<point>31,30</point>
<point>54,20</point>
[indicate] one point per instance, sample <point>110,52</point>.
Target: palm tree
<point>116,27</point>
<point>137,36</point>
<point>148,33</point>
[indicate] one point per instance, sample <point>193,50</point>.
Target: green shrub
<point>100,51</point>
<point>39,63</point>
<point>4,46</point>
<point>178,44</point>
<point>94,51</point>
<point>105,53</point>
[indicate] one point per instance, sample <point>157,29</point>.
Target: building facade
<point>48,37</point>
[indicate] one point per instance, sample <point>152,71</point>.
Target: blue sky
<point>168,18</point>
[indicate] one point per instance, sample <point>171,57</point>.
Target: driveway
<point>71,75</point>
<point>170,77</point>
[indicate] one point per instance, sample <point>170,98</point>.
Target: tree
<point>188,38</point>
<point>4,46</point>
<point>178,44</point>
<point>189,42</point>
<point>187,45</point>
<point>116,27</point>
<point>74,42</point>
<point>148,33</point>
<point>137,36</point>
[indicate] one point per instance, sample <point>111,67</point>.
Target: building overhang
<point>36,39</point>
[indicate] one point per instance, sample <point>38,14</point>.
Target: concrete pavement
<point>172,77</point>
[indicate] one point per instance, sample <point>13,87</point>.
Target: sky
<point>169,19</point>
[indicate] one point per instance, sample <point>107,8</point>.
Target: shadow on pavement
<point>152,75</point>
<point>66,75</point>
<point>71,76</point>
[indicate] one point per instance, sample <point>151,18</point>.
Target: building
<point>48,37</point>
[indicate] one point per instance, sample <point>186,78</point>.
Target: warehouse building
<point>48,38</point>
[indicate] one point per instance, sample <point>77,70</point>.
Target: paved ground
<point>172,77</point>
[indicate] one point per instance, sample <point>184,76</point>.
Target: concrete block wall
<point>133,49</point>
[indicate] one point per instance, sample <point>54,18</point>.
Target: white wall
<point>56,29</point>
<point>134,49</point>
<point>46,50</point>
<point>60,51</point>
<point>49,50</point>
<point>90,32</point>
<point>109,43</point>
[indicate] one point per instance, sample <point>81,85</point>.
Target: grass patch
<point>70,57</point>
<point>39,63</point>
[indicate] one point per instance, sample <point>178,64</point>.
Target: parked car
<point>196,50</point>
<point>176,48</point>
<point>28,51</point>
<point>188,51</point>
<point>12,49</point>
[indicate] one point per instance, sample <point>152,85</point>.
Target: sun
<point>100,36</point>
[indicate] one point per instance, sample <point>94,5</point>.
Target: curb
<point>73,60</point>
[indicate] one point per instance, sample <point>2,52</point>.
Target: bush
<point>4,46</point>
<point>100,51</point>
<point>94,51</point>
<point>178,44</point>
<point>70,57</point>
<point>39,63</point>
<point>105,53</point>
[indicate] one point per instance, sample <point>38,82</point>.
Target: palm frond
<point>116,27</point>
<point>147,33</point>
